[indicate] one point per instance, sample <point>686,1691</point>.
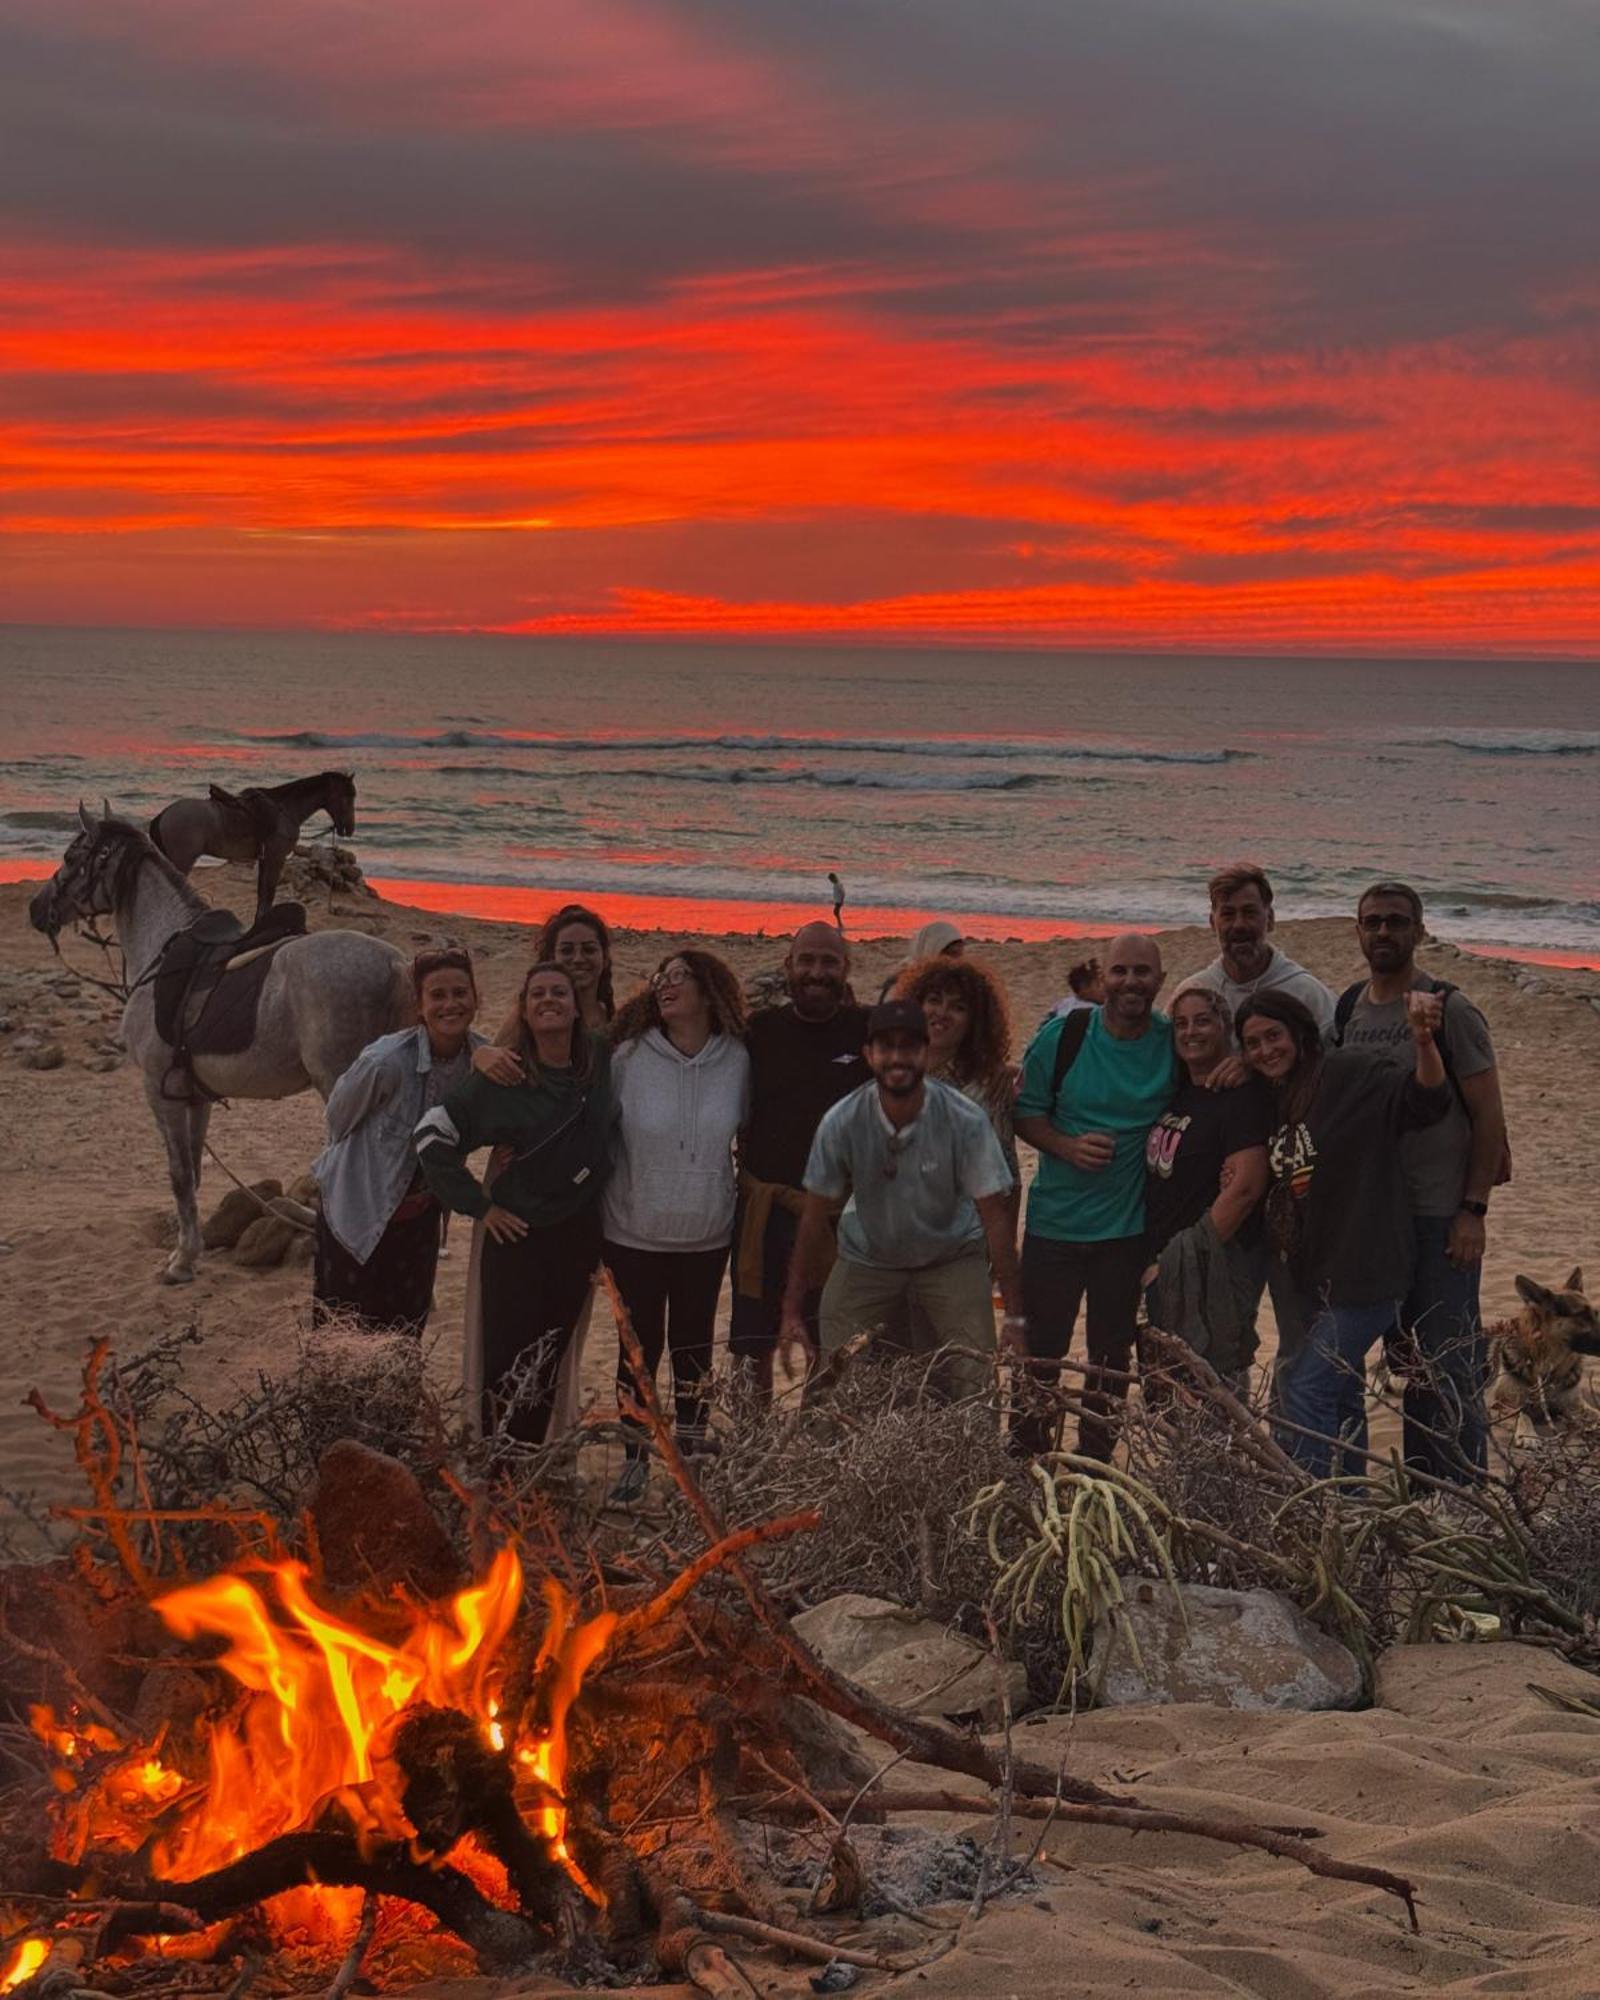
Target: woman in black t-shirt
<point>1338,1214</point>
<point>1206,1163</point>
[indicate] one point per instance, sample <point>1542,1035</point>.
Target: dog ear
<point>1538,1296</point>
<point>1575,1282</point>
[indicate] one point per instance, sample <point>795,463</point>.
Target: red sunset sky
<point>1215,323</point>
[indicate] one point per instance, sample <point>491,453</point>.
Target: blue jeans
<point>1446,1431</point>
<point>1321,1383</point>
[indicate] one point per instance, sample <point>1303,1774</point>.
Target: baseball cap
<point>892,1017</point>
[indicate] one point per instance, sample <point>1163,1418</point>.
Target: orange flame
<point>321,1698</point>
<point>23,1963</point>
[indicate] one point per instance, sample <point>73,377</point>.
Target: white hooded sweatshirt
<point>673,1184</point>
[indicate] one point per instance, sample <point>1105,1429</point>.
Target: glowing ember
<point>23,1963</point>
<point>320,1703</point>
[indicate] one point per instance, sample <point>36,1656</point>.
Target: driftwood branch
<point>800,1943</point>
<point>1288,1843</point>
<point>502,1941</point>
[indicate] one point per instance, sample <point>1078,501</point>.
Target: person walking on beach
<point>681,1079</point>
<point>1093,1084</point>
<point>1249,963</point>
<point>804,1057</point>
<point>925,1189</point>
<point>541,1245</point>
<point>377,1248</point>
<point>1451,1169</point>
<point>1205,1176</point>
<point>1337,1209</point>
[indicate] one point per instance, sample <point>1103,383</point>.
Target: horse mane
<point>316,781</point>
<point>141,851</point>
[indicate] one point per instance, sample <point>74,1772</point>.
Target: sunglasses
<point>894,1146</point>
<point>673,975</point>
<point>1379,921</point>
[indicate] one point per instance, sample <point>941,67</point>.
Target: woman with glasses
<point>1338,1214</point>
<point>378,1228</point>
<point>682,1081</point>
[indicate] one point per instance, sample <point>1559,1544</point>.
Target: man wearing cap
<point>925,1187</point>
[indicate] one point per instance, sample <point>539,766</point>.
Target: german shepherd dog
<point>1539,1353</point>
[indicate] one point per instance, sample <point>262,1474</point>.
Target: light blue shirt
<point>912,1190</point>
<point>370,1159</point>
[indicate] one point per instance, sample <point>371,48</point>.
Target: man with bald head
<point>804,1057</point>
<point>1093,1083</point>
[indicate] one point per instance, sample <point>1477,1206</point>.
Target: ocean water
<point>1021,793</point>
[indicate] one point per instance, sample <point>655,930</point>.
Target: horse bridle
<point>109,846</point>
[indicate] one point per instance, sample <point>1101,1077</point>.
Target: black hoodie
<point>1338,1185</point>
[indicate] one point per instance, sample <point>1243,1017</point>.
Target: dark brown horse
<point>260,824</point>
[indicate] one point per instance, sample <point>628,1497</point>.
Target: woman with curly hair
<point>969,1040</point>
<point>682,1080</point>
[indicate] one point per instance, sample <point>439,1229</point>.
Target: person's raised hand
<point>1425,1013</point>
<point>503,1226</point>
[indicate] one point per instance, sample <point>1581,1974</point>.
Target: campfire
<point>601,1775</point>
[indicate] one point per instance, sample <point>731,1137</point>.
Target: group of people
<point>858,1168</point>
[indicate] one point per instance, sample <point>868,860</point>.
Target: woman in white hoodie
<point>681,1079</point>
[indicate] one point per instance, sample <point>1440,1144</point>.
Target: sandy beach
<point>1459,1776</point>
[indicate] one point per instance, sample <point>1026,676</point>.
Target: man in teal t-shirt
<point>1085,1227</point>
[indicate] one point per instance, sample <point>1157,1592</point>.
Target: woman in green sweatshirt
<point>542,1227</point>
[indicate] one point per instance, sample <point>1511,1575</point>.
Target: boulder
<point>910,1662</point>
<point>234,1214</point>
<point>264,1244</point>
<point>303,1189</point>
<point>1232,1648</point>
<point>374,1525</point>
<point>51,1056</point>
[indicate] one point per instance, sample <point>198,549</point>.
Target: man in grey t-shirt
<point>1451,1169</point>
<point>924,1183</point>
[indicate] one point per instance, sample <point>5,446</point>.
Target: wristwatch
<point>1478,1208</point>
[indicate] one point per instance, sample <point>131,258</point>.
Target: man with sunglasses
<point>926,1215</point>
<point>1451,1169</point>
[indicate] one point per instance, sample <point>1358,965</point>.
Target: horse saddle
<point>208,981</point>
<point>259,811</point>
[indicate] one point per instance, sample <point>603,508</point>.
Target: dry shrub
<point>893,1473</point>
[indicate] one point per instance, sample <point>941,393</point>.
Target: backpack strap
<point>1074,1030</point>
<point>1344,1007</point>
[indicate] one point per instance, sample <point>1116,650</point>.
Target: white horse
<point>324,997</point>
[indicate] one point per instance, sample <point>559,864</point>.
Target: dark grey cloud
<point>1303,174</point>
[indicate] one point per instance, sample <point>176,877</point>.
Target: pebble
<point>51,1056</point>
<point>102,1063</point>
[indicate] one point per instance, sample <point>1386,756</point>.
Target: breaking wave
<point>1517,742</point>
<point>1040,747</point>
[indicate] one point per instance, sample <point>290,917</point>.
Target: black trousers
<point>670,1297</point>
<point>1055,1278</point>
<point>392,1292</point>
<point>533,1294</point>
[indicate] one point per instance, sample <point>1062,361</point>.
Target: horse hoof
<point>177,1277</point>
